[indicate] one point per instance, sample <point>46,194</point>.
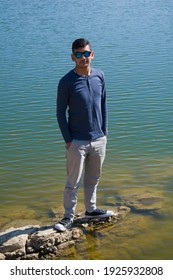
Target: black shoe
<point>64,224</point>
<point>99,213</point>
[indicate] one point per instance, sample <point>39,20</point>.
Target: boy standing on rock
<point>82,118</point>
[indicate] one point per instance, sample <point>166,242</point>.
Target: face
<point>83,61</point>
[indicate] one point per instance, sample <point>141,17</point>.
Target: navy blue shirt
<point>81,106</point>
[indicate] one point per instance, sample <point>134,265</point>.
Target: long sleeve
<point>61,108</point>
<point>104,109</point>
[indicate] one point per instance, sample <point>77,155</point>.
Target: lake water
<point>133,44</point>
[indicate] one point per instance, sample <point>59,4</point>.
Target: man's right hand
<point>67,145</point>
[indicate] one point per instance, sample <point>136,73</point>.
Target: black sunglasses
<point>79,54</point>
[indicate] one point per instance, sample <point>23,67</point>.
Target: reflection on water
<point>132,41</point>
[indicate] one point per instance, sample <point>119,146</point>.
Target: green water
<point>132,41</point>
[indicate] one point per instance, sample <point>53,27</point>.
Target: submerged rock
<point>145,203</point>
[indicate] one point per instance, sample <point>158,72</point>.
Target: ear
<point>92,55</point>
<point>72,57</point>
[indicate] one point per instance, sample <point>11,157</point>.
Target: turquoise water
<point>132,41</point>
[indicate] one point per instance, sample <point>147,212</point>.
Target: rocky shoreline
<point>35,242</point>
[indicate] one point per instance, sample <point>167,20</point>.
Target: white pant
<point>87,155</point>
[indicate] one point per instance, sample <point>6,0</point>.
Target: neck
<point>83,71</point>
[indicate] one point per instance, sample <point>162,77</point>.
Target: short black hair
<point>80,43</point>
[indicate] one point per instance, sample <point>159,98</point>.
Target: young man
<point>82,118</point>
